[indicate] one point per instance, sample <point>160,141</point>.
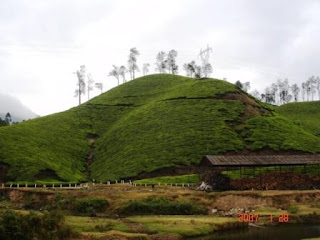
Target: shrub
<point>90,206</point>
<point>161,206</point>
<point>293,209</point>
<point>49,226</point>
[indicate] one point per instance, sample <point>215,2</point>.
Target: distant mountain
<point>15,107</point>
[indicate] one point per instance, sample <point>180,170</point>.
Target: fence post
<point>60,185</point>
<point>18,185</point>
<point>69,185</point>
<point>145,185</point>
<point>26,185</point>
<point>2,185</point>
<point>116,181</point>
<point>52,185</point>
<point>35,185</point>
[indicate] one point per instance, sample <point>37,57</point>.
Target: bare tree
<point>318,86</point>
<point>99,86</point>
<point>303,91</point>
<point>145,68</point>
<point>81,89</point>
<point>283,90</point>
<point>122,73</point>
<point>89,84</point>
<point>255,93</point>
<point>161,62</point>
<point>295,91</point>
<point>132,62</point>
<point>171,62</point>
<point>115,72</point>
<point>273,90</point>
<point>311,86</point>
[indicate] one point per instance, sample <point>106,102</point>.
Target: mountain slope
<point>306,114</point>
<point>150,123</point>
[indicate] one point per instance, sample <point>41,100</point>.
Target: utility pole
<point>204,56</point>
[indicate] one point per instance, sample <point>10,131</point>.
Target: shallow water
<point>282,232</point>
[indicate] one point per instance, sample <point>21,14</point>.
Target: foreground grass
<point>182,225</point>
<point>94,224</point>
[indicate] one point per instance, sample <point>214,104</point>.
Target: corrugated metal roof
<point>258,160</point>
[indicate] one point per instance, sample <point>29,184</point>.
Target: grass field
<point>305,114</point>
<point>150,123</point>
<point>182,225</point>
<point>190,178</point>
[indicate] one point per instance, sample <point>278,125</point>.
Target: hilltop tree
<point>318,86</point>
<point>99,86</point>
<point>81,90</point>
<point>238,84</point>
<point>303,91</point>
<point>89,84</point>
<point>256,94</point>
<point>171,62</point>
<point>161,62</point>
<point>145,68</point>
<point>115,72</point>
<point>8,118</point>
<point>295,91</point>
<point>243,86</point>
<point>122,73</point>
<point>192,69</point>
<point>132,62</point>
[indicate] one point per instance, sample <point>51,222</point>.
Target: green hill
<point>150,123</point>
<point>305,114</point>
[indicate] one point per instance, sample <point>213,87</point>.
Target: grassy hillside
<point>149,123</point>
<point>305,114</point>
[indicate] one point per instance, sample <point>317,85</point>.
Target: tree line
<point>277,93</point>
<point>281,91</point>
<point>165,63</point>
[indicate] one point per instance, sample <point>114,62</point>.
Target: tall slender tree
<point>132,62</point>
<point>81,85</point>
<point>145,68</point>
<point>295,91</point>
<point>89,84</point>
<point>161,62</point>
<point>171,62</point>
<point>122,73</point>
<point>115,72</point>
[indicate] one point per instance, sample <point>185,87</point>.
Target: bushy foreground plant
<point>49,226</point>
<point>90,206</point>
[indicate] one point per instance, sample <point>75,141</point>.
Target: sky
<point>43,42</point>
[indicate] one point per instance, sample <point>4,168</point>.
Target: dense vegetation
<point>49,226</point>
<point>150,123</point>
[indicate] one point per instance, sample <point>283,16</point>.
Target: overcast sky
<point>43,42</point>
